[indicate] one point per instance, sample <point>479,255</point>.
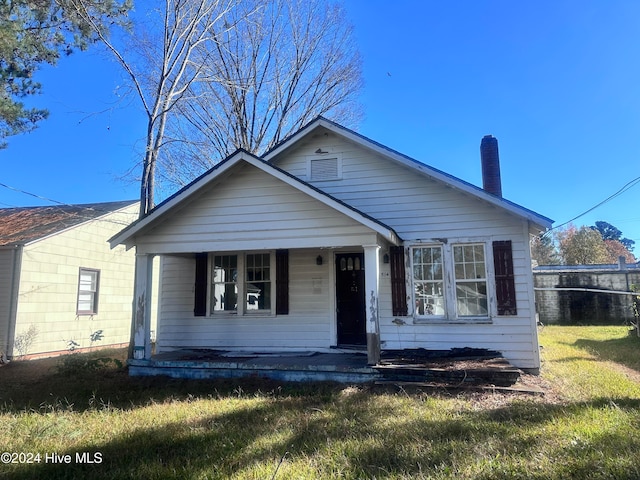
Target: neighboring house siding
<point>255,211</point>
<point>308,325</point>
<point>49,286</point>
<point>423,210</point>
<point>7,263</point>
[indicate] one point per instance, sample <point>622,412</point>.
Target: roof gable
<point>277,152</point>
<point>23,225</point>
<point>227,166</point>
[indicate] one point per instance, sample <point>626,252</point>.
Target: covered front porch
<point>248,263</point>
<point>302,299</point>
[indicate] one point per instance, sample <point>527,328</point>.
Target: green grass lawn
<point>586,427</point>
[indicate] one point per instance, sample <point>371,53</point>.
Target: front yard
<point>85,418</point>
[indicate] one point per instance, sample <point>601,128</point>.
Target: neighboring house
<point>586,294</point>
<point>333,240</point>
<point>61,287</point>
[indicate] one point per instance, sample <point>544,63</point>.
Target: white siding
<point>412,204</point>
<point>420,209</point>
<point>49,286</point>
<point>309,324</point>
<point>252,210</point>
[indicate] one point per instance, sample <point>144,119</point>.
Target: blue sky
<point>557,82</point>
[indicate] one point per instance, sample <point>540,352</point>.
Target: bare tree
<point>161,65</point>
<point>282,64</point>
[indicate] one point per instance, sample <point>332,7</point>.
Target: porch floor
<point>295,366</point>
<point>461,367</point>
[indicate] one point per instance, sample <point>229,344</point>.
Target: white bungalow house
<point>333,240</point>
<point>61,287</point>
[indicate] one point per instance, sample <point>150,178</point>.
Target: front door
<point>350,299</point>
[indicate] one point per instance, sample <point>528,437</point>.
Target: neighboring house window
<point>471,280</point>
<point>428,281</point>
<point>88,284</point>
<point>244,284</point>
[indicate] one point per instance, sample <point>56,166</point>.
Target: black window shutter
<point>282,282</point>
<point>505,279</point>
<point>398,285</point>
<point>200,296</point>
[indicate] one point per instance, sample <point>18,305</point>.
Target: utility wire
<point>62,204</point>
<point>33,195</point>
<point>627,186</point>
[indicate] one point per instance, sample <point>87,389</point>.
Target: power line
<point>622,190</point>
<point>63,204</point>
<point>33,194</point>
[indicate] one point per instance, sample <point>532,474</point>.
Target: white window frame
<point>450,298</point>
<point>484,279</point>
<point>414,297</point>
<point>241,284</point>
<point>94,291</point>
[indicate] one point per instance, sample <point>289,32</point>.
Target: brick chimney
<point>491,181</point>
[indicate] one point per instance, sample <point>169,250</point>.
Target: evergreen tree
<point>37,32</point>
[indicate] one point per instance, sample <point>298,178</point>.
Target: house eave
<point>542,222</point>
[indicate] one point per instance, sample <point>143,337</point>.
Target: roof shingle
<point>22,225</point>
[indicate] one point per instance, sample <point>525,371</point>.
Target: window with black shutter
<point>200,296</point>
<point>505,279</point>
<point>282,282</point>
<point>398,285</point>
<point>251,274</point>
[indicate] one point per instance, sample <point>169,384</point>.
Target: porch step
<point>458,367</point>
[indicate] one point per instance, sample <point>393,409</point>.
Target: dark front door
<point>350,299</point>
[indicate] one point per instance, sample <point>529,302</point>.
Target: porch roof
<point>130,235</point>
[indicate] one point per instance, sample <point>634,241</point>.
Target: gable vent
<point>324,169</point>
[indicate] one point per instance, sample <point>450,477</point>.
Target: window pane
<point>224,290</point>
<point>87,292</point>
<point>469,262</point>
<point>85,302</point>
<point>258,282</point>
<point>428,285</point>
<point>429,299</point>
<point>224,297</point>
<point>471,285</point>
<point>472,298</point>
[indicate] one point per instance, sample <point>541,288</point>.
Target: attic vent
<point>324,169</point>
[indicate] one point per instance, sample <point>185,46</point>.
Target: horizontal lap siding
<point>253,210</point>
<point>307,326</point>
<point>419,208</point>
<point>412,204</point>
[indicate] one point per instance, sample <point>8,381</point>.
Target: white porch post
<point>371,281</point>
<point>142,307</point>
